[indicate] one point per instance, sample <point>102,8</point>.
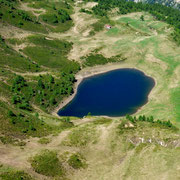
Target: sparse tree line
<point>24,121</point>
<point>160,12</point>
<point>27,124</point>
<point>59,16</point>
<point>150,119</point>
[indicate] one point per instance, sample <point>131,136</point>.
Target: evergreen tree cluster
<point>46,92</point>
<point>58,16</point>
<point>18,98</point>
<point>50,91</point>
<point>149,119</point>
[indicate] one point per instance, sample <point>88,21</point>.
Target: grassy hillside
<point>45,47</point>
<point>116,148</point>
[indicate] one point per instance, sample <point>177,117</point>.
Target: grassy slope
<point>156,52</point>
<point>106,149</point>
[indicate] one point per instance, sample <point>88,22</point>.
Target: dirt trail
<point>77,20</point>
<point>32,74</point>
<point>19,157</point>
<point>79,33</point>
<point>83,121</point>
<point>8,31</point>
<point>151,58</point>
<point>105,133</point>
<point>174,83</point>
<point>90,5</point>
<point>4,99</point>
<point>29,73</point>
<point>82,21</point>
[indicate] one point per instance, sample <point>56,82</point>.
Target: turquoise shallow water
<point>115,93</point>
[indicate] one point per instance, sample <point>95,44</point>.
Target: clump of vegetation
<point>59,16</point>
<point>102,121</point>
<point>45,92</point>
<point>44,140</point>
<point>47,163</point>
<point>66,119</point>
<point>99,59</point>
<point>85,11</point>
<point>81,136</point>
<point>11,140</point>
<point>15,175</point>
<point>140,147</point>
<point>18,99</point>
<point>76,161</point>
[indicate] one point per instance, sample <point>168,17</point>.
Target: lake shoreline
<point>92,71</point>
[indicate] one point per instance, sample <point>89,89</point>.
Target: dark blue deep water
<point>115,93</point>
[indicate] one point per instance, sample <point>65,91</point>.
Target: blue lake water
<point>115,93</point>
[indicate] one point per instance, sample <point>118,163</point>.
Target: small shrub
<point>7,140</point>
<point>18,175</point>
<point>44,141</point>
<point>89,114</point>
<point>47,163</point>
<point>76,161</point>
<point>66,119</point>
<point>11,114</point>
